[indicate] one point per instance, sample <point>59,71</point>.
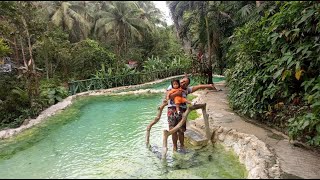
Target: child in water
<point>175,84</point>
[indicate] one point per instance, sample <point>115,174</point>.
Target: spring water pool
<point>104,137</point>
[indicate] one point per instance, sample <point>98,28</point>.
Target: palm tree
<point>205,23</point>
<point>122,21</point>
<point>177,9</point>
<point>149,12</point>
<point>71,17</point>
<point>196,24</point>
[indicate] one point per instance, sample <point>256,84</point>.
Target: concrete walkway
<point>296,162</point>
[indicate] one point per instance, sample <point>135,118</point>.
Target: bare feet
<point>182,148</point>
<point>174,149</point>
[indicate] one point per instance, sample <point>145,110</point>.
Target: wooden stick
<point>156,119</point>
<point>167,133</point>
<point>206,123</point>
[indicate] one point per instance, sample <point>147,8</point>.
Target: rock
<point>258,173</point>
<point>195,138</point>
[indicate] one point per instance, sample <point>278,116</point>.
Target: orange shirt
<point>177,99</point>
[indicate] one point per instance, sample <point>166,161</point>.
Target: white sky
<point>163,7</point>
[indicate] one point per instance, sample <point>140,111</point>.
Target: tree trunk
<point>47,67</point>
<point>29,44</point>
<point>51,69</point>
<point>16,54</point>
<point>216,49</point>
<point>46,59</point>
<point>33,81</point>
<point>23,55</point>
<point>209,69</point>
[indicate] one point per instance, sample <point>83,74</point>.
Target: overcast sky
<point>163,7</point>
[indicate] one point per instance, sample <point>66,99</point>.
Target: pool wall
<point>56,108</point>
<point>260,160</point>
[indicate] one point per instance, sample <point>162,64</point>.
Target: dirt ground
<point>295,161</point>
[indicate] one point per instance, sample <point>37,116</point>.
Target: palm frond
<point>109,26</point>
<point>102,22</point>
<point>57,17</point>
<point>246,10</point>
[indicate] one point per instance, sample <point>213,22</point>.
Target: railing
<point>122,80</point>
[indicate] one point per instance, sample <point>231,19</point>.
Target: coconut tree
<point>199,24</point>
<point>71,17</point>
<point>177,9</point>
<point>122,21</point>
<point>204,24</point>
<point>149,12</point>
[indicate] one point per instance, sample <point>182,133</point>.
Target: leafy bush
<point>156,63</point>
<point>87,57</point>
<point>4,49</point>
<point>51,92</point>
<point>276,68</point>
<point>14,101</point>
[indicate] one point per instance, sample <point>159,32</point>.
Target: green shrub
<point>276,68</point>
<point>51,92</point>
<point>87,57</point>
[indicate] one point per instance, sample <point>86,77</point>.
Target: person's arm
<point>168,94</point>
<point>178,92</point>
<point>203,86</point>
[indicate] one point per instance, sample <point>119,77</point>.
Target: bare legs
<point>181,139</point>
<point>178,108</point>
<point>175,141</point>
<point>175,136</point>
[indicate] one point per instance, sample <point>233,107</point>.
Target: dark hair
<point>189,80</point>
<point>175,80</point>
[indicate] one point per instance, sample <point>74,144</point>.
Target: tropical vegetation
<point>51,43</point>
<point>268,51</point>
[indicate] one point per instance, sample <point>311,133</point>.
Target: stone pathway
<point>296,162</point>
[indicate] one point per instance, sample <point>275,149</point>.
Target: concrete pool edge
<point>54,109</point>
<point>260,160</point>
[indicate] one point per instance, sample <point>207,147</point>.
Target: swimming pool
<point>104,137</point>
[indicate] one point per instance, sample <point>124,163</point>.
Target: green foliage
<point>306,126</point>
<point>52,53</point>
<point>87,57</point>
<point>14,101</point>
<point>4,49</point>
<point>55,30</point>
<point>51,92</point>
<point>193,114</point>
<point>155,63</point>
<point>276,66</point>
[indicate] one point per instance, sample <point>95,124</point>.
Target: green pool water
<point>104,137</point>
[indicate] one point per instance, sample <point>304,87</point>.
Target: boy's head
<point>175,83</point>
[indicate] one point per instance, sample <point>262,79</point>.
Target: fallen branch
<point>156,119</point>
<point>167,133</point>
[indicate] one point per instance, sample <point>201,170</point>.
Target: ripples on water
<point>107,140</point>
